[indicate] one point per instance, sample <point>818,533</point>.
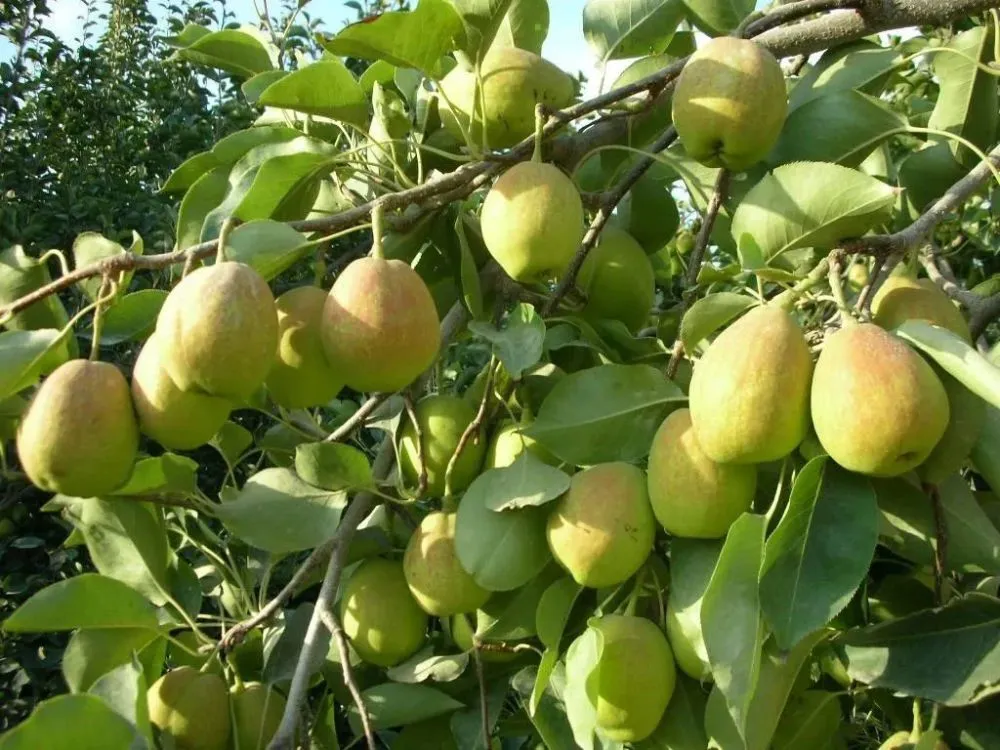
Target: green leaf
<point>21,274</point>
<point>859,65</point>
<point>71,722</point>
<point>92,653</point>
<point>124,690</point>
<point>252,88</point>
<point>731,617</point>
<point>281,658</point>
<point>231,441</point>
<point>525,483</point>
<point>519,344</point>
<point>811,719</point>
<point>424,666</point>
<point>986,452</point>
<point>472,293</point>
<point>582,659</point>
<point>961,640</point>
<point>394,705</point>
<point>718,17</point>
<point>165,473</point>
<point>132,317</point>
<point>810,204</point>
<point>501,550</point>
<point>379,72</point>
<point>325,88</point>
<point>24,356</point>
<point>554,609</point>
<point>88,600</point>
<point>820,552</point>
<point>482,19</point>
<point>927,174</point>
<point>416,39</point>
<point>233,51</point>
<point>525,26</point>
<point>683,724</point>
<point>90,248</point>
<point>619,29</point>
<point>711,313</point>
<point>333,466</point>
<point>605,413</point>
<point>269,247</point>
<point>279,513</point>
<point>692,562</point>
<point>842,127</point>
<point>511,615</point>
<point>204,195</point>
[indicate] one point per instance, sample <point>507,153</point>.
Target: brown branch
<point>697,256</point>
<point>473,427</point>
<point>883,267</point>
<point>783,14</point>
<point>418,433</point>
<point>332,623</point>
<point>984,313</point>
<point>941,542</point>
<point>981,310</point>
<point>357,419</point>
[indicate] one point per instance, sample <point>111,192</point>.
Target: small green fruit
<point>532,222</point>
<point>730,103</point>
<point>220,331</point>
<point>381,618</point>
<point>433,572</point>
<point>380,325</point>
<point>902,298</point>
<point>877,406</point>
<point>301,377</point>
<point>688,646</point>
<point>634,680</point>
<point>176,419</point>
<point>257,712</point>
<point>79,436</point>
<point>442,419</point>
<point>618,280</point>
<point>509,442</point>
<point>192,708</point>
<point>7,527</point>
<point>749,395</point>
<point>601,530</point>
<point>513,82</point>
<point>692,496</point>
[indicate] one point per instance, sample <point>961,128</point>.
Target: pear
<point>532,221</point>
<point>219,330</point>
<point>513,81</point>
<point>442,419</point>
<point>257,711</point>
<point>301,377</point>
<point>380,325</point>
<point>618,280</point>
<point>436,578</point>
<point>730,103</point>
<point>176,419</point>
<point>749,395</point>
<point>688,647</point>
<point>191,708</point>
<point>692,495</point>
<point>382,620</point>
<point>966,418</point>
<point>902,298</point>
<point>634,680</point>
<point>179,657</point>
<point>877,406</point>
<point>601,530</point>
<point>509,442</point>
<point>79,436</point>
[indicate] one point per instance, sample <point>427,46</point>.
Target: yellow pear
<point>79,436</point>
<point>749,395</point>
<point>618,280</point>
<point>382,620</point>
<point>191,708</point>
<point>257,711</point>
<point>301,376</point>
<point>877,406</point>
<point>176,419</point>
<point>219,330</point>
<point>532,221</point>
<point>692,495</point>
<point>380,325</point>
<point>442,419</point>
<point>513,81</point>
<point>634,680</point>
<point>730,103</point>
<point>601,530</point>
<point>509,442</point>
<point>902,298</point>
<point>433,572</point>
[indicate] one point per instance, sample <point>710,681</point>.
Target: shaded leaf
<point>168,472</point>
<point>71,722</point>
<point>92,653</point>
<point>717,17</point>
<point>333,466</point>
<point>859,65</point>
<point>24,357</point>
<point>525,26</point>
<point>132,317</point>
<point>711,313</point>
<point>519,344</point>
<point>424,666</point>
<point>618,29</point>
<point>683,724</point>
<point>88,600</point>
<point>393,704</point>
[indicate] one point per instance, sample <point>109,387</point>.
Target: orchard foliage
<point>668,418</point>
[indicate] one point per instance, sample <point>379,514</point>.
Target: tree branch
<point>332,623</point>
<point>783,14</point>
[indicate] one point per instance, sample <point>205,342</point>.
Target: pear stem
<point>106,293</point>
<point>837,288</point>
<point>786,300</point>
<point>378,222</point>
<point>227,227</point>
<point>540,119</point>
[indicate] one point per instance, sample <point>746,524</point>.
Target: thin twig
<point>418,433</point>
<point>472,429</point>
<point>836,264</point>
<point>697,256</point>
<point>483,696</point>
<point>941,541</point>
<point>357,419</point>
<point>332,623</point>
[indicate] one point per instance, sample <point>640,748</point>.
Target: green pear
<point>179,657</point>
<point>692,495</point>
<point>532,221</point>
<point>601,530</point>
<point>877,406</point>
<point>382,620</point>
<point>513,81</point>
<point>219,330</point>
<point>509,442</point>
<point>301,376</point>
<point>176,419</point>
<point>966,417</point>
<point>79,436</point>
<point>436,578</point>
<point>191,708</point>
<point>380,325</point>
<point>634,680</point>
<point>617,278</point>
<point>903,741</point>
<point>749,395</point>
<point>730,103</point>
<point>442,419</point>
<point>902,298</point>
<point>811,719</point>
<point>257,711</point>
<point>688,646</point>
